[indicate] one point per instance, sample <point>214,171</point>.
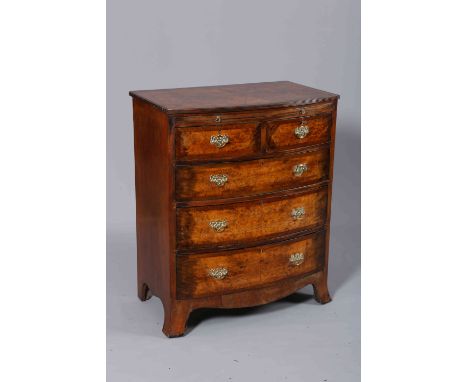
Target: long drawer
<point>259,114</point>
<point>228,224</point>
<point>252,177</point>
<point>224,272</point>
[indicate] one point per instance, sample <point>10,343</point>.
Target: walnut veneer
<point>233,194</point>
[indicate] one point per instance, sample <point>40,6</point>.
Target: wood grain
<point>194,143</point>
<point>175,318</point>
<point>154,210</point>
<point>262,114</point>
<point>253,267</point>
<point>281,134</point>
<point>175,201</point>
<point>251,177</point>
<point>225,97</point>
<point>250,221</point>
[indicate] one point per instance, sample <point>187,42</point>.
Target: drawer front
<point>221,273</point>
<point>235,223</point>
<point>251,177</point>
<point>223,141</point>
<point>257,114</point>
<point>298,132</point>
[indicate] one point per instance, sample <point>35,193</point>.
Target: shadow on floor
<point>204,314</point>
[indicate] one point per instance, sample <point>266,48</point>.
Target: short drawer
<point>223,141</point>
<point>234,223</point>
<point>225,272</point>
<point>251,177</point>
<point>298,132</point>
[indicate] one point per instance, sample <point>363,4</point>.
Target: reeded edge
<point>239,108</point>
<point>172,112</point>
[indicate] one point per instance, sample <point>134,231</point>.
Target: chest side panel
<point>154,198</point>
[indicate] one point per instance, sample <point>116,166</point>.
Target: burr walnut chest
<point>233,194</point>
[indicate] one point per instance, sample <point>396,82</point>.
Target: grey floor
<point>294,339</point>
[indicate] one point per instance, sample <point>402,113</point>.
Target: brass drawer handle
<point>300,169</point>
<point>218,273</point>
<point>219,225</point>
<point>302,130</point>
<point>219,179</point>
<point>298,213</point>
<point>219,140</point>
<point>296,258</point>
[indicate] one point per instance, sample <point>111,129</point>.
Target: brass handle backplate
<point>296,258</point>
<point>302,130</point>
<point>219,179</point>
<point>300,169</point>
<point>298,213</point>
<point>219,140</point>
<point>219,225</point>
<point>218,273</point>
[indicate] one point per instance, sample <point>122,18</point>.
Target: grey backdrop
<point>166,44</point>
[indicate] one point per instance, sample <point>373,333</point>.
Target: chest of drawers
<point>233,194</point>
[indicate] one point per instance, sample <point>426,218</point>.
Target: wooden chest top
<point>233,97</point>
